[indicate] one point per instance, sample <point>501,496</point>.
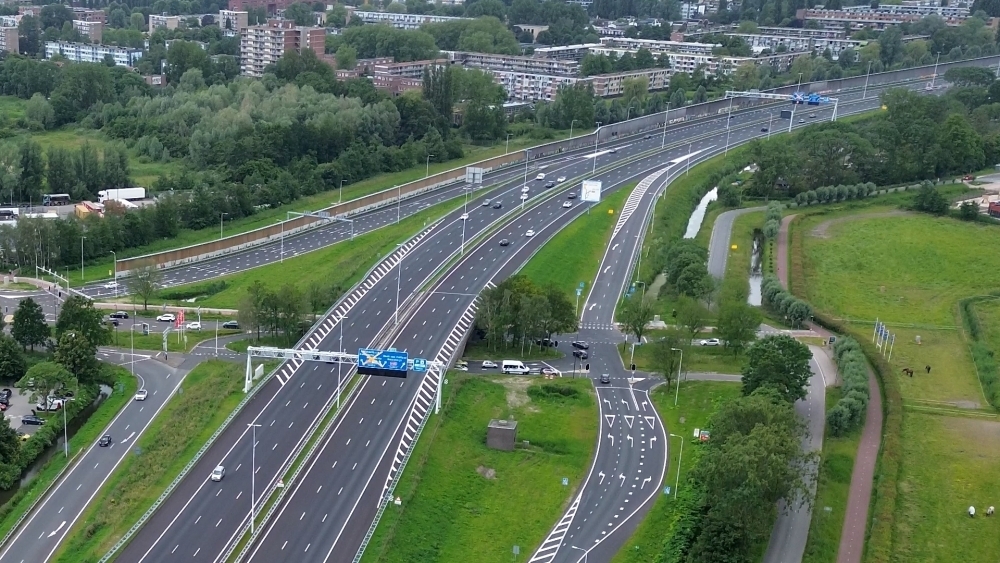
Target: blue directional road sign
<point>419,364</point>
<point>813,99</point>
<point>387,363</point>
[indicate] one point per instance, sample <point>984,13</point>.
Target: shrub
<point>854,373</point>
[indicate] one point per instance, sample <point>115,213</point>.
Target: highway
<point>46,527</point>
<point>290,402</point>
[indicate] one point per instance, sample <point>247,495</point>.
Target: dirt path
<point>852,537</point>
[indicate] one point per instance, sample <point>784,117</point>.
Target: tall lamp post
<point>253,475</point>
<point>677,481</point>
<point>597,135</point>
<point>581,549</point>
<point>82,238</point>
<point>222,220</point>
<point>571,127</point>
<point>399,195</point>
<point>628,112</point>
<point>868,75</point>
<point>666,115</point>
<point>507,146</point>
<point>677,393</point>
<point>340,195</point>
<point>340,361</point>
<point>116,272</point>
<point>399,276</point>
<point>428,172</point>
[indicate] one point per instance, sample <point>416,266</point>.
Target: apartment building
<point>412,69</point>
<point>402,21</point>
<point>163,20</point>
<point>568,52</point>
<point>88,15</point>
<point>914,8</point>
<point>84,53</point>
<point>262,45</point>
<point>514,63</point>
<point>271,6</point>
<point>92,30</point>
<point>614,84</point>
<point>800,32</point>
<point>760,42</point>
<point>232,21</point>
<point>8,39</point>
<point>657,46</point>
<point>397,85</point>
<point>839,19</point>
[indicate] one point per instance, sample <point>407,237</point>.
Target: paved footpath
<point>852,538</point>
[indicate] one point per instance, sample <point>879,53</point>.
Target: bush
<point>783,302</point>
<point>850,409</point>
<point>195,291</point>
<point>553,391</point>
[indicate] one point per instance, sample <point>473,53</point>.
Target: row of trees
<point>517,312</point>
<point>782,302</point>
<point>829,194</point>
<point>25,173</point>
<point>849,412</point>
<point>283,314</point>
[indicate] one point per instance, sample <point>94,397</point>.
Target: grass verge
<point>696,358</point>
<point>475,500</point>
<point>210,392</point>
<point>738,262</point>
<point>574,254</point>
<point>242,345</point>
<point>175,343</point>
<point>84,437</point>
<point>697,402</point>
<point>830,506</point>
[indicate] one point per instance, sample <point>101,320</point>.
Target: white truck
<point>126,194</point>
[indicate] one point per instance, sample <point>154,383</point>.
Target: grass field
<point>696,358</point>
<point>905,269</point>
<point>830,506</point>
<point>475,500</point>
<point>988,313</point>
<point>12,107</point>
<point>210,392</point>
<point>154,340</point>
<point>573,255</point>
<point>342,263</point>
<point>696,404</point>
<point>84,437</point>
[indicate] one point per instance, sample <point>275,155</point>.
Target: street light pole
<point>571,127</point>
<point>629,112</point>
<point>770,118</point>
<point>729,121</point>
<point>82,238</point>
<point>934,76</point>
<point>677,481</point>
<point>581,549</point>
<point>797,88</point>
<point>666,116</point>
<point>399,276</point>
<point>340,361</point>
<point>597,135</point>
<point>399,195</point>
<point>690,148</point>
<point>253,475</point>
<point>679,364</point>
<point>507,147</point>
<point>428,173</point>
<point>340,195</point>
<point>864,93</point>
<point>222,217</point>
<point>116,272</point>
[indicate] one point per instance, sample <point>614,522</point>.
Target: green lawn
<point>12,107</point>
<point>84,437</point>
<point>696,403</point>
<point>175,341</point>
<point>481,351</point>
<point>696,358</point>
<point>738,261</point>
<point>474,503</point>
<point>988,313</point>
<point>830,506</point>
<point>343,263</point>
<point>904,269</point>
<point>574,254</point>
<point>210,392</point>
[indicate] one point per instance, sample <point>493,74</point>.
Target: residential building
<point>169,42</point>
<point>10,21</point>
<point>89,15</point>
<point>271,6</point>
<point>397,85</point>
<point>8,38</point>
<point>84,53</point>
<point>262,45</point>
<point>92,30</point>
<point>914,8</point>
<point>232,21</point>
<point>412,69</point>
<point>692,11</point>
<point>775,43</point>
<point>515,63</point>
<point>163,20</point>
<point>155,79</point>
<point>613,84</point>
<point>568,52</point>
<point>840,19</point>
<point>402,21</point>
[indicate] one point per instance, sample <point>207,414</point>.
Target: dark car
<point>649,137</point>
<point>580,345</point>
<point>105,441</point>
<point>572,195</point>
<point>231,324</point>
<point>550,184</point>
<point>113,322</point>
<point>763,129</point>
<point>497,205</point>
<point>504,242</point>
<point>6,393</point>
<point>605,378</point>
<point>547,343</point>
<point>581,354</point>
<point>32,419</point>
<point>118,315</point>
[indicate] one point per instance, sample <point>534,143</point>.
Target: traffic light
<point>633,367</point>
<point>587,367</point>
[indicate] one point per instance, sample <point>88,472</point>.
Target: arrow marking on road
<point>650,420</point>
<point>601,475</point>
<point>629,418</point>
<point>624,402</point>
<point>592,307</point>
<point>129,437</point>
<point>651,440</point>
<point>606,269</point>
<point>610,418</point>
<point>615,246</point>
<point>57,529</point>
<point>644,481</point>
<point>644,403</point>
<point>612,438</point>
<point>608,402</point>
<point>630,440</point>
<point>622,477</point>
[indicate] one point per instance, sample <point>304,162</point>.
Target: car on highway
<point>166,318</point>
<point>497,205</point>
<point>763,129</point>
<point>141,395</point>
<point>524,197</point>
<point>605,378</point>
<point>464,217</point>
<point>613,150</point>
<point>580,345</point>
<point>812,116</point>
<point>105,441</point>
<point>525,189</point>
<point>33,420</point>
<point>541,176</point>
<point>572,195</point>
<point>111,285</point>
<point>194,325</point>
<point>218,473</point>
<point>486,202</point>
<point>648,137</point>
<point>561,179</point>
<point>802,120</point>
<point>462,365</point>
<point>710,342</point>
<point>504,242</point>
<point>567,204</point>
<point>529,233</point>
<point>232,325</point>
<point>582,354</point>
<point>489,364</point>
<point>550,184</point>
<point>118,315</point>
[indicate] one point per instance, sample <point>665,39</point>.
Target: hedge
<point>849,412</point>
<point>783,302</point>
<point>982,354</point>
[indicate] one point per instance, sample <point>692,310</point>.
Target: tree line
<point>286,313</point>
<point>849,412</point>
<point>517,312</point>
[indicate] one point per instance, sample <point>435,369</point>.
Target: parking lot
<point>19,407</point>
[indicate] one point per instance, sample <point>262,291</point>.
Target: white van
<point>513,366</point>
<point>540,176</point>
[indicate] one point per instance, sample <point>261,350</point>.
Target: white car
<point>710,342</point>
<point>486,202</point>
<point>524,197</point>
<point>567,204</point>
<point>195,325</point>
<point>464,216</point>
<point>530,233</point>
<point>489,364</point>
<point>141,394</point>
<point>218,473</point>
<point>561,179</point>
<point>166,318</point>
<point>111,285</point>
<point>525,189</point>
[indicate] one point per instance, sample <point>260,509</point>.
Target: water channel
<point>698,215</point>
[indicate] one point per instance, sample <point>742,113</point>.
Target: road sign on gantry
<point>386,363</point>
<point>474,175</point>
<point>591,191</point>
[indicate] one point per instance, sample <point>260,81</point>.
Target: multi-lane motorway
<point>360,455</point>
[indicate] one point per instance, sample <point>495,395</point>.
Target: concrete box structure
<point>501,435</point>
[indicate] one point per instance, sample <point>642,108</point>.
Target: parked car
<point>118,315</point>
<point>141,395</point>
<point>710,342</point>
<point>194,325</point>
<point>580,345</point>
<point>605,378</point>
<point>582,354</point>
<point>233,325</point>
<point>32,419</point>
<point>218,473</point>
<point>166,318</point>
<point>105,441</point>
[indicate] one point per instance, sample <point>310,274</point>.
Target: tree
<point>694,281</point>
<point>29,41</point>
<point>929,200</point>
<point>45,378</point>
<point>779,362</point>
<point>29,328</point>
<point>347,57</point>
<point>738,325</point>
<point>12,364</point>
<point>667,354</point>
<point>301,13</point>
<point>137,21</point>
<point>79,315</point>
<point>635,315</point>
<point>40,111</point>
<point>77,354</point>
<point>185,55</point>
<point>144,282</point>
<point>59,173</point>
<point>968,211</point>
<point>690,315</point>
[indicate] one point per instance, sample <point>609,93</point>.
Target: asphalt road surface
<point>372,426</point>
<point>41,533</point>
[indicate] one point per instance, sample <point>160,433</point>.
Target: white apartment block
<point>163,20</point>
<point>658,47</point>
<point>83,53</point>
<point>914,8</point>
<point>8,39</point>
<point>231,22</point>
<point>10,21</point>
<point>93,30</point>
<point>513,63</point>
<point>402,21</point>
<point>568,52</point>
<point>692,11</point>
<point>759,42</point>
<point>531,87</point>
